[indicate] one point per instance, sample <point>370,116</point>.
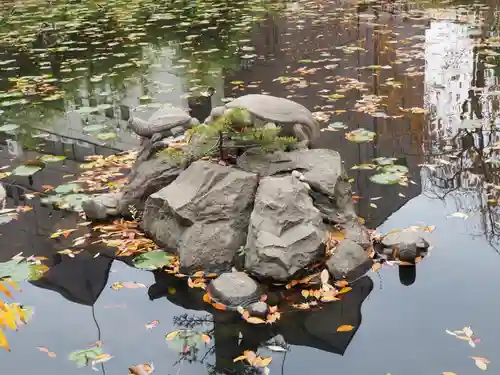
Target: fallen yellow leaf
<point>3,341</point>
<point>345,328</point>
<point>171,335</point>
<point>345,290</point>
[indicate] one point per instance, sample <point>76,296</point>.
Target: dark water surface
<point>423,76</point>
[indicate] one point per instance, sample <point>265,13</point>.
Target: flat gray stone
<point>258,309</point>
<point>234,289</point>
<point>203,215</point>
<point>286,231</point>
<point>349,261</point>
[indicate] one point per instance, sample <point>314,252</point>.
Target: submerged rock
<point>102,206</point>
<point>349,261</point>
<point>203,215</point>
<point>286,230</point>
<point>234,289</point>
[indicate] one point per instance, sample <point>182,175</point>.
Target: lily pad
<point>20,270</point>
<point>52,158</point>
<point>26,170</point>
<point>153,260</point>
<point>364,166</point>
<point>384,161</point>
<point>360,136</point>
<point>67,188</point>
<point>86,356</point>
<point>94,128</point>
<point>106,136</point>
<point>387,178</point>
<point>87,110</point>
<point>72,202</point>
<point>336,126</point>
<point>9,127</point>
<point>395,169</point>
<point>7,218</point>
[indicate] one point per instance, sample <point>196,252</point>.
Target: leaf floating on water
<point>26,170</point>
<point>276,348</point>
<point>152,324</point>
<point>345,290</point>
<point>376,267</point>
<point>171,335</point>
<point>127,284</point>
<point>364,166</point>
<point>153,260</point>
<point>345,328</point>
<point>360,136</point>
<point>3,341</point>
<point>387,178</point>
<point>255,320</point>
<point>336,126</point>
<point>142,369</point>
<point>460,215</point>
<point>52,158</point>
<point>481,363</point>
<point>449,373</point>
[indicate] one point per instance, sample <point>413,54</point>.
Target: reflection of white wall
<point>448,72</point>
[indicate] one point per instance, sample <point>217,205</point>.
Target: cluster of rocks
<point>269,214</point>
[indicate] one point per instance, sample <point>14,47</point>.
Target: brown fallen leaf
<point>341,283</point>
<point>255,320</point>
<point>449,373</point>
<point>345,328</point>
<point>376,267</point>
<point>142,369</point>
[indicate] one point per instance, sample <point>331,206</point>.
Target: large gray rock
<point>321,169</point>
<point>160,122</point>
<point>234,289</point>
<point>286,231</point>
<point>349,261</point>
<point>102,206</point>
<point>356,232</point>
<point>409,244</point>
<point>147,177</point>
<point>203,215</point>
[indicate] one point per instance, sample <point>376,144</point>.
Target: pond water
<point>424,76</point>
